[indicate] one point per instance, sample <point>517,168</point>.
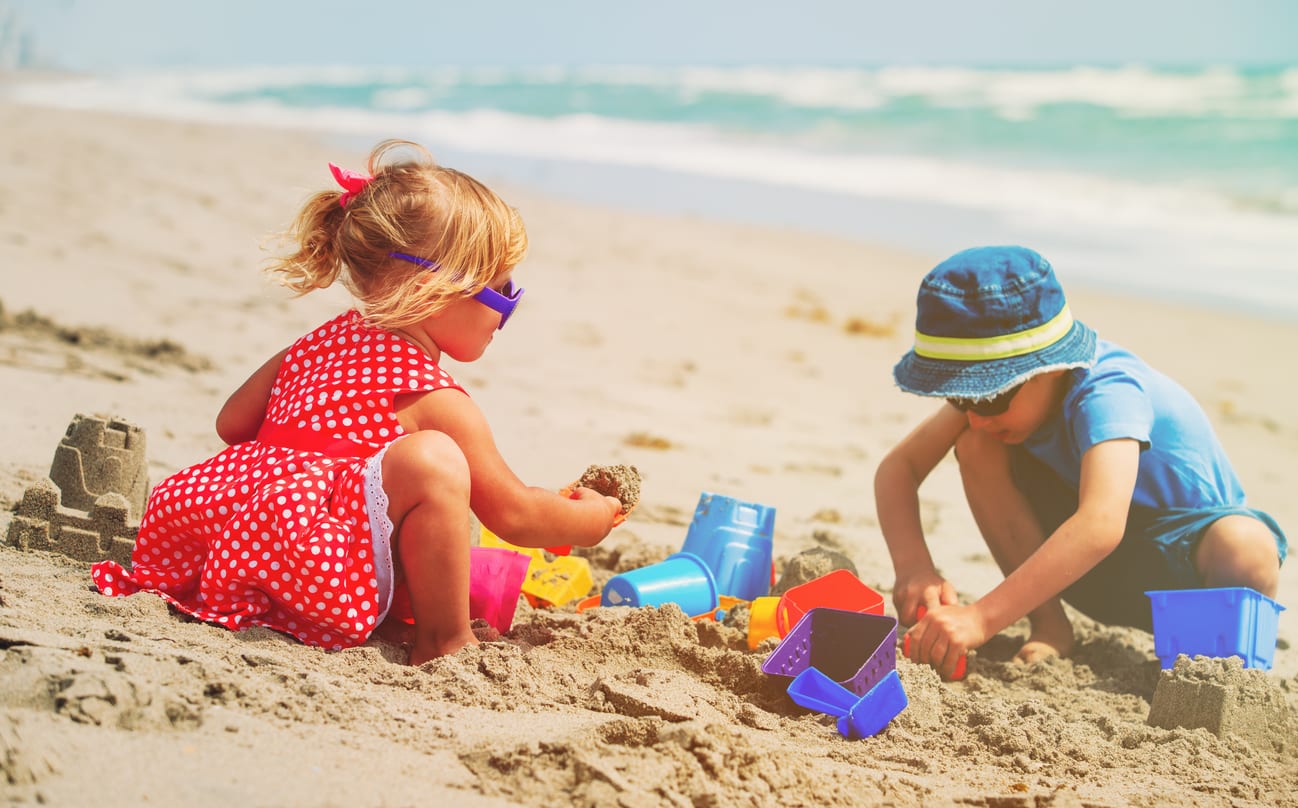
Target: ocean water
<point>1154,181</point>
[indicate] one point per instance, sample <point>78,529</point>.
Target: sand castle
<point>89,507</point>
<point>1223,697</point>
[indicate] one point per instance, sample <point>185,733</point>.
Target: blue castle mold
<point>735,539</point>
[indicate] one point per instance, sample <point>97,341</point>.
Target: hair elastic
<point>351,182</point>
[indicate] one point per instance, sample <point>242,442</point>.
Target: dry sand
<point>621,481</point>
<point>748,362</point>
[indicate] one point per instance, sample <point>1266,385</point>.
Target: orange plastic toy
<point>839,589</point>
<point>961,667</point>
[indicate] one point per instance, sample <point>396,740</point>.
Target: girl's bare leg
<point>1012,533</point>
<point>426,479</point>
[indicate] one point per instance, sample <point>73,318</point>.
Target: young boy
<point>1091,476</point>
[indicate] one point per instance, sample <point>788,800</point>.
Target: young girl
<point>354,460</point>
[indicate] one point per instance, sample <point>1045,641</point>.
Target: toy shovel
<point>861,717</point>
<point>961,666</point>
<point>875,709</point>
<point>816,691</point>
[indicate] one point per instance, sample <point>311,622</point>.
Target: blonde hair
<point>414,206</point>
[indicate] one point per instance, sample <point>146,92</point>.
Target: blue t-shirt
<point>1182,464</point>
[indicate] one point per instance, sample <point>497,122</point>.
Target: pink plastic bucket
<point>495,580</point>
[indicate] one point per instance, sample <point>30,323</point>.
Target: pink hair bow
<point>351,182</point>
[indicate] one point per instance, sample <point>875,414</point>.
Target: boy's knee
<point>1239,550</point>
<point>979,452</point>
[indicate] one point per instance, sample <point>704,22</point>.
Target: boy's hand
<point>943,637</point>
<point>919,591</point>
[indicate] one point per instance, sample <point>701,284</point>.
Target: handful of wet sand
<point>619,481</point>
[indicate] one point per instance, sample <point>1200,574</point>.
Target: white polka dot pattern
<point>275,536</point>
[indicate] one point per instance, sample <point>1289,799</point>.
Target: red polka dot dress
<point>276,531</point>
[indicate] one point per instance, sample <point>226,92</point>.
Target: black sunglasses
<point>986,407</point>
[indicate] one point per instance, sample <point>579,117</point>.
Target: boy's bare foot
<point>1036,650</point>
<point>1051,636</point>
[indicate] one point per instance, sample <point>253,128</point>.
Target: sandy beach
<point>750,362</point>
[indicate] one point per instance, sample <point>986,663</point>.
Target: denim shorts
<point>1156,552</point>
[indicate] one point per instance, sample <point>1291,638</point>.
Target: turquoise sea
<point>1179,182</point>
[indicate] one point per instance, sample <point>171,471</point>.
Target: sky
<point>114,35</point>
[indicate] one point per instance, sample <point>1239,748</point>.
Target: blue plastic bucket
<point>1222,622</point>
<point>681,578</point>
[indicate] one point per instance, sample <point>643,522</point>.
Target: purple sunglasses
<point>496,301</point>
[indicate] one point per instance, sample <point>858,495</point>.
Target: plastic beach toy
<point>551,583</point>
<point>1220,622</point>
<point>961,665</point>
<point>816,691</point>
<point>734,539</point>
<point>681,578</point>
<point>495,579</point>
<point>855,649</point>
<point>488,539</point>
<point>858,716</point>
<point>761,620</point>
<point>724,605</point>
<point>557,582</point>
<point>839,589</point>
<point>875,709</point>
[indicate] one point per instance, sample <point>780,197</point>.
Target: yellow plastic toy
<point>552,583</point>
<point>563,580</point>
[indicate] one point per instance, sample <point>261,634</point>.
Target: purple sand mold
<point>855,649</point>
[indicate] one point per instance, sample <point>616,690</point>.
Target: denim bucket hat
<point>987,319</point>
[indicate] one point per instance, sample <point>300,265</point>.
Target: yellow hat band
<point>999,347</point>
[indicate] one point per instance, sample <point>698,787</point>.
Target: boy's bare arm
<point>896,494</point>
<point>1108,479</point>
<point>1086,537</point>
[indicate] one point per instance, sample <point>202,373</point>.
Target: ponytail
<point>315,263</point>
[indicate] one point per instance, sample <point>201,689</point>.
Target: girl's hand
<point>915,592</point>
<point>612,506</point>
<point>942,638</point>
